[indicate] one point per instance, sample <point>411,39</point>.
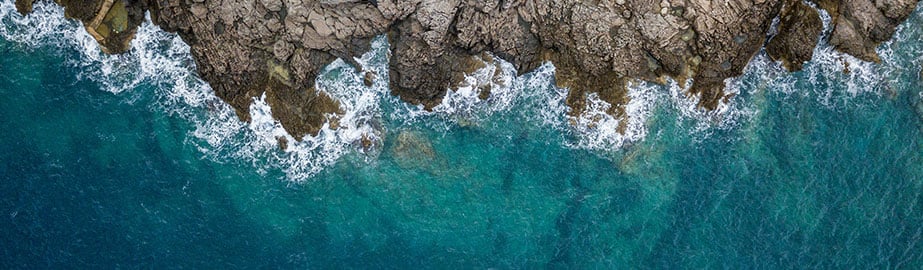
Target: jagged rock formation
<point>245,48</point>
<point>799,28</point>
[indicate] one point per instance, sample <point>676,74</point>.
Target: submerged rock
<point>413,150</point>
<point>596,46</point>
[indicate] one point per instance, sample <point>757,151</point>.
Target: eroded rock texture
<point>799,29</point>
<point>246,48</point>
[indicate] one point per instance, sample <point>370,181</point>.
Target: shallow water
<point>131,161</point>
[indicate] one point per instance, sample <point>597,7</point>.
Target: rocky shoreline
<point>245,48</point>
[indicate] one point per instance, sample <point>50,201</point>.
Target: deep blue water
<point>104,163</point>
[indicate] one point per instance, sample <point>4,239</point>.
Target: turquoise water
<point>129,161</point>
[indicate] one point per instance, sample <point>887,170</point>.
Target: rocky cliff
<point>245,48</point>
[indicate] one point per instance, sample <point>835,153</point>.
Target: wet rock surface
<point>799,29</point>
<point>247,48</point>
<point>112,23</point>
<point>859,26</point>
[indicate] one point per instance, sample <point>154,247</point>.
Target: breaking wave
<point>163,60</point>
<point>533,99</point>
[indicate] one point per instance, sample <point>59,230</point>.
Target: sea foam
<point>161,63</point>
<point>163,60</point>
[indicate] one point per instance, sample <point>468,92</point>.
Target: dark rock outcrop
<point>112,23</point>
<point>859,26</point>
<point>799,29</point>
<point>246,48</point>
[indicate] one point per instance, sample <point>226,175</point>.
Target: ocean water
<point>131,162</point>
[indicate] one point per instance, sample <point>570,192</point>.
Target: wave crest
<point>162,62</point>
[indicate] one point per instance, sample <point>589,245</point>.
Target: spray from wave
<point>839,78</point>
<point>162,61</point>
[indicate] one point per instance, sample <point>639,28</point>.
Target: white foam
<point>903,52</point>
<point>535,99</point>
<point>827,69</point>
<point>45,24</point>
<point>463,104</point>
<point>301,160</point>
<point>601,131</point>
<point>465,100</point>
<point>162,60</point>
<point>544,102</point>
<point>539,102</point>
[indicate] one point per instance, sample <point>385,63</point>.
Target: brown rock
<point>24,6</point>
<point>799,29</point>
<point>283,143</point>
<point>369,78</point>
<point>597,46</point>
<point>861,25</point>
